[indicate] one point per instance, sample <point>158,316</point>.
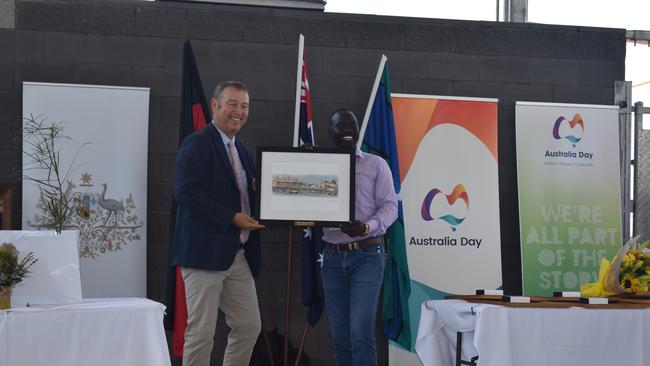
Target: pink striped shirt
<point>375,202</point>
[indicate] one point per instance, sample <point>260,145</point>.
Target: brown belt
<point>356,245</point>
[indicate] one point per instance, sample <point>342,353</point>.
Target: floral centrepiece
<point>12,270</point>
<point>635,269</point>
<point>628,272</point>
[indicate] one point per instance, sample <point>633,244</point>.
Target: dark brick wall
<point>136,43</point>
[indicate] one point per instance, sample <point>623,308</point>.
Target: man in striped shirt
<point>354,259</point>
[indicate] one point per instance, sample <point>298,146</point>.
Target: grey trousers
<point>232,290</point>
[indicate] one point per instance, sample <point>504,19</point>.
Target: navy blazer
<point>208,198</point>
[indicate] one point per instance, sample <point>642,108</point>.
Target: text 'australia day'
<point>447,241</point>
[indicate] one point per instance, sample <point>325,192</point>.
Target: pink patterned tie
<point>243,195</point>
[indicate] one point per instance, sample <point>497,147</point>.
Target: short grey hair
<point>218,90</point>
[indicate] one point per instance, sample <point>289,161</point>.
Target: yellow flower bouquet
<point>628,271</point>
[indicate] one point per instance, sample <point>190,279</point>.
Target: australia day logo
<point>453,219</point>
<point>572,130</point>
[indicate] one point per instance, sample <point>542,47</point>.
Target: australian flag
<point>312,241</point>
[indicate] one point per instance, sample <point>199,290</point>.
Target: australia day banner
<point>448,153</point>
<point>569,193</point>
<point>104,174</point>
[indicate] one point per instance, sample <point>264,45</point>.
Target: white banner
<point>448,156</point>
<point>107,182</point>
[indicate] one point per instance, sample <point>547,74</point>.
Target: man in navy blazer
<point>216,242</point>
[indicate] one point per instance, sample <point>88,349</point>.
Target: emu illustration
<point>111,205</point>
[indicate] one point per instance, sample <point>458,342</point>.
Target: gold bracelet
<point>366,228</point>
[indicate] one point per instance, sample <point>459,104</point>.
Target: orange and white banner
<point>448,157</point>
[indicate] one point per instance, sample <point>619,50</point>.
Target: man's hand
<point>355,228</point>
<point>245,222</point>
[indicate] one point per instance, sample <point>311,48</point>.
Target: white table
<point>508,336</point>
<point>98,332</point>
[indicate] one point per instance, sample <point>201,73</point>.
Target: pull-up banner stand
<point>569,193</point>
<point>448,150</point>
<point>104,172</point>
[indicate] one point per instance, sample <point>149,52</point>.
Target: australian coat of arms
<point>104,224</point>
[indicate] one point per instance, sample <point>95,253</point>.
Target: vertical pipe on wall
<point>515,11</point>
<point>638,125</point>
<point>623,98</point>
<point>498,10</point>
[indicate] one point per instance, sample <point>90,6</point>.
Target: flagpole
<point>375,86</point>
<point>296,116</point>
<point>301,348</point>
<point>287,304</point>
<point>267,343</point>
<point>296,129</point>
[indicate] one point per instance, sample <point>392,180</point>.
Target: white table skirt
<point>97,332</point>
<point>504,336</point>
<point>439,322</point>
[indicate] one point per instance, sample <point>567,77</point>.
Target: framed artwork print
<point>301,187</point>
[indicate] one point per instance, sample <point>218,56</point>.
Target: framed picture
<point>305,188</point>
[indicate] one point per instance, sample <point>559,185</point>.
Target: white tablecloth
<point>98,332</point>
<point>504,336</point>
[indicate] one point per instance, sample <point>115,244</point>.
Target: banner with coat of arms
<point>104,224</point>
<point>103,154</point>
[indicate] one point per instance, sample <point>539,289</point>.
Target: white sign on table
<point>54,278</point>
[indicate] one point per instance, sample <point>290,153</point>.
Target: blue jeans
<point>351,282</point>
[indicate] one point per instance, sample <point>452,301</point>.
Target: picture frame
<point>300,187</point>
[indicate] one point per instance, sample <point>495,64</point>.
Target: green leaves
<point>42,165</point>
<point>13,271</point>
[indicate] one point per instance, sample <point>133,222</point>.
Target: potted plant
<point>12,271</point>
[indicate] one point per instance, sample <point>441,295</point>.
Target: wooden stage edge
<point>615,302</point>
